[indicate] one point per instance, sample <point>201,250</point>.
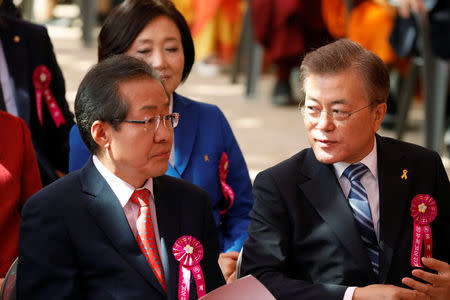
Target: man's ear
<point>380,111</point>
<point>100,134</point>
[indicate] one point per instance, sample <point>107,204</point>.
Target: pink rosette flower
<point>423,209</point>
<point>189,252</point>
<point>423,212</point>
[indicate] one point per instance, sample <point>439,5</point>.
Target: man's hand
<point>227,263</point>
<point>405,7</point>
<point>387,292</point>
<point>438,286</point>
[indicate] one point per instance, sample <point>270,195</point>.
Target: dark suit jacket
<point>75,241</point>
<point>303,242</point>
<point>23,54</point>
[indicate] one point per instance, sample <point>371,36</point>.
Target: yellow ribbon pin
<point>16,39</point>
<point>206,158</point>
<point>404,177</point>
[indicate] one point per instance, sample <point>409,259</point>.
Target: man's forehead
<point>334,88</point>
<point>143,85</point>
<point>333,76</point>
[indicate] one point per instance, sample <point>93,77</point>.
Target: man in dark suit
<point>334,220</point>
<point>81,237</point>
<point>25,47</point>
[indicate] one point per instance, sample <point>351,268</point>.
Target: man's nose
<point>325,121</point>
<point>162,133</point>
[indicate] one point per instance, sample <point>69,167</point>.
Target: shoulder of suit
<point>24,27</point>
<point>61,194</point>
<point>197,105</point>
<point>409,150</point>
<point>291,165</point>
<point>178,185</point>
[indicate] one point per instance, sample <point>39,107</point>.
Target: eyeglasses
<point>152,124</point>
<point>315,114</point>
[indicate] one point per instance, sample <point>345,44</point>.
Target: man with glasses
<point>107,230</point>
<point>334,221</point>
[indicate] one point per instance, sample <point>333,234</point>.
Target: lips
<point>164,78</point>
<point>162,154</point>
<point>325,142</point>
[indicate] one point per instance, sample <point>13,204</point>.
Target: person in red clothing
<point>287,30</point>
<point>19,179</point>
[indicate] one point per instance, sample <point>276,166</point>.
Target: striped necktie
<point>361,211</point>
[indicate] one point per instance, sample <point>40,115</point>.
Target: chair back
<point>8,290</point>
<point>238,265</point>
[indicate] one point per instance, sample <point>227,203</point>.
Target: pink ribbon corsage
<point>189,252</point>
<point>41,81</point>
<point>423,212</point>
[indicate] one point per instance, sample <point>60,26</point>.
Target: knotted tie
<point>146,234</point>
<point>361,211</point>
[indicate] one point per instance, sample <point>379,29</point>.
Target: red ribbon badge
<point>189,252</point>
<point>227,192</point>
<point>423,211</point>
<point>41,81</point>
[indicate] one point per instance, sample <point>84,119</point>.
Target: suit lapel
<point>325,194</point>
<point>168,209</point>
<point>14,48</point>
<point>185,133</point>
<point>108,213</point>
<point>393,200</point>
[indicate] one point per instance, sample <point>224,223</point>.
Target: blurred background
<point>247,58</point>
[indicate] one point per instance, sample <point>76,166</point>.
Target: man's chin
<point>325,157</point>
<point>156,171</point>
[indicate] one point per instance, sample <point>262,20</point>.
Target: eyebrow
<point>334,102</point>
<point>149,41</point>
<point>149,107</point>
<point>154,107</point>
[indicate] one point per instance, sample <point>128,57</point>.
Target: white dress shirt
<point>5,81</point>
<point>370,183</point>
<point>123,192</point>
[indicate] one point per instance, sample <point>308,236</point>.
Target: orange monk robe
<point>334,14</point>
<point>186,8</point>
<point>370,24</point>
<point>215,25</point>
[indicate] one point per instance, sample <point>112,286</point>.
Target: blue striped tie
<point>361,211</point>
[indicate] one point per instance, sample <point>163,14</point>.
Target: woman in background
<point>205,151</point>
<point>19,180</point>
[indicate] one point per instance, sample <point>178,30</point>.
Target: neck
<point>124,173</point>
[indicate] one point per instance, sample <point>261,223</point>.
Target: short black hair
<point>99,98</point>
<point>128,19</point>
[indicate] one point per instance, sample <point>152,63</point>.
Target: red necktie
<point>146,234</point>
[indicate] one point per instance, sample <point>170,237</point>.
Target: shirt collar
<point>121,189</point>
<point>370,161</point>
